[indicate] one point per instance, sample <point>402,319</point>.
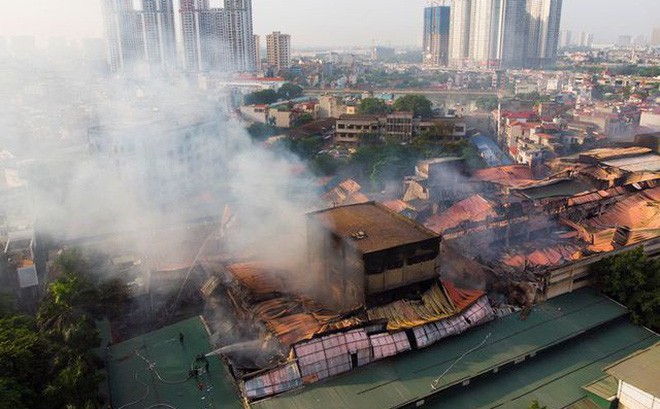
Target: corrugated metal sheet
<point>510,176</point>
<point>387,344</point>
<point>548,256</point>
<point>258,277</point>
<point>638,211</point>
<point>643,163</point>
<point>332,354</point>
<point>474,209</point>
<point>434,305</point>
<point>603,154</point>
<point>478,313</point>
<point>273,382</point>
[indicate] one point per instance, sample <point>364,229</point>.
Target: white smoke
<point>159,154</point>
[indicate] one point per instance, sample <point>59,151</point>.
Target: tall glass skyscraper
<point>436,35</point>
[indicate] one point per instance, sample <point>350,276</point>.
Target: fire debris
<point>277,334</point>
<point>526,226</point>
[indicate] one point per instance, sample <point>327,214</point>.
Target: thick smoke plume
<point>113,157</point>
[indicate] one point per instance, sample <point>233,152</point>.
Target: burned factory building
<point>369,255</point>
<point>370,290</point>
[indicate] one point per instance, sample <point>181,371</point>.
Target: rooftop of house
<point>511,176</point>
<point>555,188</point>
<point>358,118</point>
<point>473,209</point>
<point>604,154</point>
<point>641,370</point>
<point>520,115</point>
<point>372,227</point>
<point>649,162</point>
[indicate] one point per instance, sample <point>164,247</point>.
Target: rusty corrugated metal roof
<point>474,208</point>
<point>510,176</point>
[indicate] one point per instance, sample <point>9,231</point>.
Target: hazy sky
<point>330,22</point>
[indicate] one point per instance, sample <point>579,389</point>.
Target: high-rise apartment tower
<point>240,35</point>
<point>278,47</point>
<point>136,36</point>
<point>436,35</point>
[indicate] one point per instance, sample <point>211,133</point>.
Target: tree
<point>373,106</point>
<point>534,97</point>
<point>419,105</point>
<point>261,132</point>
<point>634,280</point>
<point>265,97</point>
<point>289,91</point>
<point>324,165</point>
<point>7,304</point>
<point>12,393</point>
<point>305,148</point>
<point>536,405</point>
<point>48,362</point>
<point>304,119</point>
<point>380,163</point>
<point>487,103</point>
<point>22,360</point>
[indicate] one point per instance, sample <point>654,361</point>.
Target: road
<point>452,92</point>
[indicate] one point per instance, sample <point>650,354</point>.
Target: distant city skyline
<point>340,23</point>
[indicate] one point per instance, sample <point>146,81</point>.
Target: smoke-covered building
<point>218,39</point>
<point>162,163</point>
<point>135,37</point>
<point>214,48</point>
<point>240,35</point>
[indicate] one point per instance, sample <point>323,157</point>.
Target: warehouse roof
<point>132,381</point>
<point>605,388</point>
<point>649,163</point>
<point>558,188</point>
<point>641,370</point>
<point>372,227</point>
<point>554,378</point>
<point>510,340</point>
<point>603,154</point>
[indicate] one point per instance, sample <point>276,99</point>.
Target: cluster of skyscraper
<point>492,33</point>
<point>213,39</point>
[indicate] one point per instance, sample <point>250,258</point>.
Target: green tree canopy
<point>536,405</point>
<point>7,303</point>
<point>634,280</point>
<point>373,106</point>
<point>49,362</point>
<point>419,105</point>
<point>304,119</point>
<point>265,97</point>
<point>487,103</point>
<point>289,91</point>
<point>260,132</point>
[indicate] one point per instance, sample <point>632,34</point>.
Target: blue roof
<point>490,151</point>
